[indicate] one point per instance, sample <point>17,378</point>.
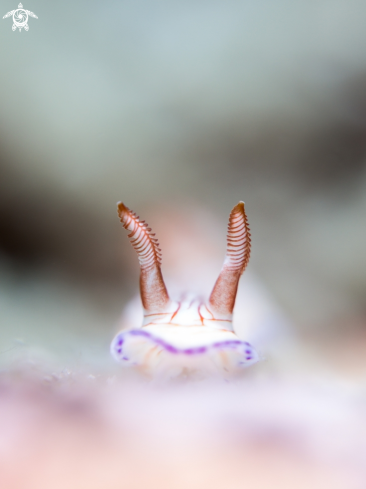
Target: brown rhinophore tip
<point>223,295</point>
<point>154,294</point>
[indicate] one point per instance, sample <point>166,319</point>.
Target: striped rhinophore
<point>223,295</point>
<point>238,240</point>
<point>141,237</point>
<point>153,290</point>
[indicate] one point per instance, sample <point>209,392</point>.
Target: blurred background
<point>184,107</point>
<point>180,109</point>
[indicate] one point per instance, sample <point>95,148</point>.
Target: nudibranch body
<point>186,336</point>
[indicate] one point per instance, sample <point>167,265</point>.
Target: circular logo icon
<point>20,17</point>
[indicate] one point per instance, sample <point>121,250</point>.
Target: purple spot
<point>120,342</point>
<point>125,358</point>
<point>248,352</point>
<point>119,350</point>
<point>249,358</point>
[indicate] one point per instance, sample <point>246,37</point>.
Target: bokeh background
<point>181,109</point>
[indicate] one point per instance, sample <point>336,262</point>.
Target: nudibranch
<point>186,336</point>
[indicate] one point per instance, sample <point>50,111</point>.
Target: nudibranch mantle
<point>187,335</point>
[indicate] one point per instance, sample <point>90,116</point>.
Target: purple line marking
<point>185,351</point>
<point>193,351</point>
<point>168,347</point>
<point>137,332</point>
<point>227,343</point>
